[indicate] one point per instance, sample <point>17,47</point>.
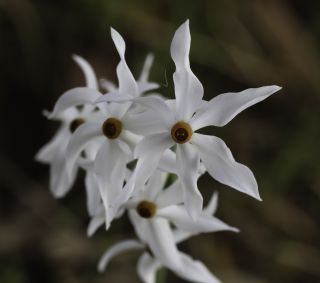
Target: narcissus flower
<point>71,118</point>
<point>158,240</point>
<point>181,118</point>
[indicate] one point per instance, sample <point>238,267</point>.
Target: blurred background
<point>235,45</point>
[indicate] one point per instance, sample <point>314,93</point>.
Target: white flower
<point>114,129</point>
<point>153,230</point>
<point>71,117</point>
<point>180,119</point>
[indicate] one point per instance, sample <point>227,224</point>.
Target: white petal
<point>147,268</point>
<point>60,181</point>
<point>188,89</point>
<point>146,123</point>
<point>80,138</point>
<point>144,76</point>
<point>48,151</point>
<point>194,270</point>
<point>116,250</point>
<point>161,242</point>
<point>155,184</point>
<point>221,109</point>
<point>153,144</point>
<point>170,196</point>
<point>118,42</point>
<point>109,86</point>
<point>179,216</point>
<point>212,205</point>
<point>93,194</point>
<point>221,165</point>
<point>146,86</point>
<point>90,76</point>
<point>127,83</point>
<point>149,151</point>
<point>74,97</point>
<point>188,166</point>
<point>110,168</point>
<point>96,222</point>
<point>167,162</point>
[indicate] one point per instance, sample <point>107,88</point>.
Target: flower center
<point>146,209</point>
<point>76,123</point>
<point>112,128</point>
<point>181,132</point>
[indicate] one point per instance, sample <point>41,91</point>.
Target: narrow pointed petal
<point>194,270</point>
<point>118,42</point>
<point>80,138</point>
<point>146,86</point>
<point>188,89</point>
<point>179,216</point>
<point>188,166</point>
<point>221,165</point>
<point>110,167</point>
<point>147,268</point>
<point>89,74</point>
<point>212,206</point>
<point>116,250</point>
<point>95,223</point>
<point>221,109</point>
<point>107,85</point>
<point>127,83</point>
<point>144,76</point>
<point>74,97</point>
<point>161,242</point>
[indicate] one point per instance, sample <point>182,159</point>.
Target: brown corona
<point>76,123</point>
<point>146,209</point>
<point>112,128</point>
<point>181,132</point>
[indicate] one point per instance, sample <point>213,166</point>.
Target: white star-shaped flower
<point>181,118</point>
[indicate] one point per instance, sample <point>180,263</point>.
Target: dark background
<point>235,45</point>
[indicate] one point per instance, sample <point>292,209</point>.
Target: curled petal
<point>118,42</point>
<point>188,89</point>
<point>116,250</point>
<point>188,166</point>
<point>90,76</point>
<point>127,83</point>
<point>47,153</point>
<point>162,244</point>
<point>80,138</point>
<point>221,165</point>
<point>110,168</point>
<point>221,109</point>
<point>74,97</point>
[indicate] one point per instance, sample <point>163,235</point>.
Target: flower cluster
<point>142,154</point>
